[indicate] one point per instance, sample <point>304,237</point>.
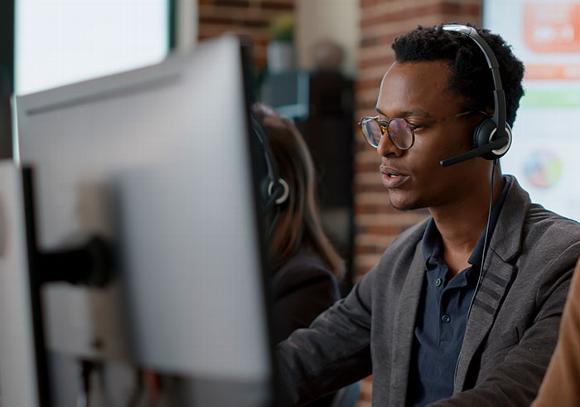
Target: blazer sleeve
<point>515,381</point>
<point>561,386</point>
<point>333,352</point>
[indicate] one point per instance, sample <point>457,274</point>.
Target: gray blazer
<point>510,335</point>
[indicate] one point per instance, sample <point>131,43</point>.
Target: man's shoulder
<point>551,244</point>
<point>530,229</point>
<point>547,227</point>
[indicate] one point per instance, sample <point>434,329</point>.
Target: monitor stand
<point>23,373</point>
<point>23,271</point>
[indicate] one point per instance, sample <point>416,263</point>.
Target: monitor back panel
<point>156,160</point>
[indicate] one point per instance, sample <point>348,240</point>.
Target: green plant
<point>282,28</point>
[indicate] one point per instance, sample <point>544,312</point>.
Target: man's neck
<point>462,223</point>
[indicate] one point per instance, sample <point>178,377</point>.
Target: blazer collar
<point>498,273</point>
<point>405,317</point>
<point>506,241</point>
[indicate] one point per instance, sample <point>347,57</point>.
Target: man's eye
<point>417,126</point>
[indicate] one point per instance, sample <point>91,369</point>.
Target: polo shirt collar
<point>432,245</point>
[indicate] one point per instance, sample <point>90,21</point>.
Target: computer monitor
<point>157,161</point>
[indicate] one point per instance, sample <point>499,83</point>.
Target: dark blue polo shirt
<point>442,316</point>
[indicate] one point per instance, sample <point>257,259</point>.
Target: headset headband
<point>277,190</point>
<point>499,113</point>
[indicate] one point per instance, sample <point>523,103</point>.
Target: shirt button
<point>438,282</point>
<point>446,318</point>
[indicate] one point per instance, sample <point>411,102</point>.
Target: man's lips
<point>392,177</point>
<point>390,171</point>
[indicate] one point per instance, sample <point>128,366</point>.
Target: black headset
<point>492,138</point>
<point>274,189</point>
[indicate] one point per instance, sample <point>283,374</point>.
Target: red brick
<point>368,84</point>
<point>410,13</point>
<point>368,188</point>
<point>382,60</point>
<point>250,18</point>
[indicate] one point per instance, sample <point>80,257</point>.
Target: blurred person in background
<point>306,267</point>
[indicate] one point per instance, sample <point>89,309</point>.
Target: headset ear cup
<point>279,191</point>
<point>501,151</point>
<point>285,193</point>
<point>484,133</point>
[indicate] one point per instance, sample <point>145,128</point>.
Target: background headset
<point>274,190</point>
<point>492,138</point>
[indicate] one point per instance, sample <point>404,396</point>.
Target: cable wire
<point>483,253</point>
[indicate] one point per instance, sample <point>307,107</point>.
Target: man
<point>419,321</point>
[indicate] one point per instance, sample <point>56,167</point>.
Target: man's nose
<point>386,147</point>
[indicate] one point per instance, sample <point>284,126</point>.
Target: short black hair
<point>470,74</point>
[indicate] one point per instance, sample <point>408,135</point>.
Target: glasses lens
<point>401,134</point>
<point>371,130</point>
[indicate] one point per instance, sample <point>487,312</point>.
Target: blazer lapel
<point>486,303</point>
<point>498,274</point>
<point>404,329</point>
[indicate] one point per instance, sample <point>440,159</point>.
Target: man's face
<point>414,179</point>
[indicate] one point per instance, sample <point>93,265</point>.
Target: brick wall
<point>377,224</point>
<point>247,17</point>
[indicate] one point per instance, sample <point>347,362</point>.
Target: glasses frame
<point>384,127</point>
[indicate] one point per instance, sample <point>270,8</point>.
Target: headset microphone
<point>492,137</point>
<point>494,147</point>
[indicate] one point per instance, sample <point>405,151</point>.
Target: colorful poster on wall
<point>545,154</point>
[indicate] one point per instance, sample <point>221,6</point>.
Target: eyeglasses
<point>400,131</point>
